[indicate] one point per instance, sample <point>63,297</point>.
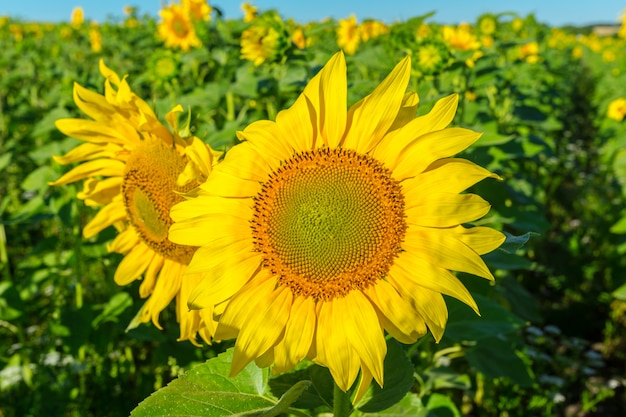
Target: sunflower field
<point>202,216</point>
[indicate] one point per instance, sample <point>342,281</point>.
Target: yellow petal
<point>333,347</point>
<point>407,111</point>
<point>451,175</point>
<point>441,248</point>
<point>224,278</point>
<point>167,286</point>
<point>207,229</point>
<point>420,272</point>
<point>124,242</point>
<point>333,100</point>
<point>95,132</point>
<point>481,239</point>
<point>397,315</point>
<point>363,330</point>
<point>245,162</point>
<point>134,264</point>
<point>445,209</point>
<point>229,185</point>
<point>207,205</point>
<point>438,118</point>
<point>268,142</point>
<point>102,167</point>
<point>88,151</point>
<point>364,383</point>
<point>372,119</point>
<point>100,192</point>
<point>259,331</point>
<point>109,214</point>
<point>298,337</point>
<point>425,150</point>
<point>150,276</point>
<point>298,124</point>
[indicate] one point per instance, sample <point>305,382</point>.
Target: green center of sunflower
<point>329,221</point>
<point>149,191</point>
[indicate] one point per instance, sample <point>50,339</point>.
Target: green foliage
<point>551,332</point>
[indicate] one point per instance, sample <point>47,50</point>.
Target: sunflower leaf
<point>398,380</point>
<point>208,391</point>
<point>513,243</point>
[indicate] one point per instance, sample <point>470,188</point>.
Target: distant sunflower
<point>176,28</point>
<point>136,169</point>
<point>329,226</point>
<point>348,35</point>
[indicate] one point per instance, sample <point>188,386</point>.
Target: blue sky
<point>553,12</point>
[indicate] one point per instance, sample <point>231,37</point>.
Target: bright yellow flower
<point>298,39</point>
<point>517,24</point>
<point>487,24</point>
<point>259,44</point>
<point>176,28</point>
<point>617,109</point>
<point>128,10</point>
<point>78,17</point>
<point>95,37</point>
<point>460,38</point>
<point>372,29</point>
<point>250,12</point>
<point>329,226</point>
<point>348,35</point>
<point>135,168</point>
<point>530,52</point>
<point>198,9</point>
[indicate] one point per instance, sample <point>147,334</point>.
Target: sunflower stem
<point>341,402</point>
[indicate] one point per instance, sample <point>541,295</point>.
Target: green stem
<point>341,402</point>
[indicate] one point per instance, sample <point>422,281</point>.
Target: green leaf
<point>5,160</point>
<point>464,325</point>
<point>310,398</point>
<point>497,358</point>
<point>116,306</point>
<point>288,399</point>
<point>208,391</point>
<point>620,293</point>
<point>619,227</point>
<point>513,243</point>
<point>489,138</point>
<point>398,380</point>
<point>411,405</point>
<point>438,405</point>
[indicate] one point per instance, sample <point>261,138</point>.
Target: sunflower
<point>176,28</point>
<point>326,228</point>
<point>348,35</point>
<point>136,169</point>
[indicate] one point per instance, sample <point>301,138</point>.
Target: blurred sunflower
<point>617,109</point>
<point>176,28</point>
<point>329,226</point>
<point>136,168</point>
<point>78,17</point>
<point>198,9</point>
<point>348,35</point>
<point>266,41</point>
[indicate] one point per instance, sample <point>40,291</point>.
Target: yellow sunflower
<point>136,169</point>
<point>176,28</point>
<point>348,35</point>
<point>329,226</point>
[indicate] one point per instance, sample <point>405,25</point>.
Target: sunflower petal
<point>445,209</point>
<point>107,216</point>
<point>441,248</point>
<point>133,265</point>
<point>372,120</point>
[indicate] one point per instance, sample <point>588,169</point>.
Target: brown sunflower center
<point>329,221</point>
<point>149,191</point>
